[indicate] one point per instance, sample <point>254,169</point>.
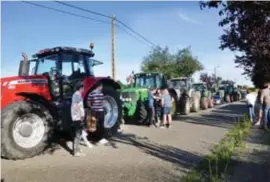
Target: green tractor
<point>206,100</point>
<point>135,99</point>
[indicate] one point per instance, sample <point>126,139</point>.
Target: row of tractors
<point>35,105</point>
<point>187,95</point>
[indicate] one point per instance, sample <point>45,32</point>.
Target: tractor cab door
<point>73,71</point>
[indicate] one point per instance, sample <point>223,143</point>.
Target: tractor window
<point>145,81</point>
<point>158,81</point>
<point>45,64</point>
<point>177,83</point>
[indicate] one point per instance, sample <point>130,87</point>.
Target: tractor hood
<point>133,94</point>
<point>14,87</point>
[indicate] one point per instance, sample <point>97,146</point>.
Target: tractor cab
<point>181,83</point>
<point>149,80</point>
<point>199,87</point>
<point>64,66</point>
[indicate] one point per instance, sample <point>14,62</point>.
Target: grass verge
<point>213,167</point>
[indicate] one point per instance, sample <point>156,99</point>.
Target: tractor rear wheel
<point>27,128</point>
<point>174,106</point>
<point>204,103</point>
<point>227,98</point>
<point>196,104</point>
<point>112,114</point>
<point>185,104</point>
<point>211,102</point>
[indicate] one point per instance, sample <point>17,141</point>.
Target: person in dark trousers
<point>77,114</point>
<point>150,108</point>
<point>265,101</point>
<point>158,108</point>
<point>96,101</point>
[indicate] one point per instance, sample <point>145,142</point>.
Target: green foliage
<point>246,30</point>
<point>122,85</point>
<point>183,63</point>
<point>214,166</point>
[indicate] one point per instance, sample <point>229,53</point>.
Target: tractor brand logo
<point>12,84</point>
<point>26,81</point>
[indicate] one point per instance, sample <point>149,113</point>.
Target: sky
<point>27,28</point>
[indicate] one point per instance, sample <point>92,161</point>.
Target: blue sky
<point>175,24</point>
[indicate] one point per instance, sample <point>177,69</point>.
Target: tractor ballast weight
<point>34,106</point>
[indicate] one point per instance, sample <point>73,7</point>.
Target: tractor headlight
<point>129,99</point>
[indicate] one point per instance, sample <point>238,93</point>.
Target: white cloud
<point>187,18</point>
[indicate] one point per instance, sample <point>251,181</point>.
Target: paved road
<point>139,154</point>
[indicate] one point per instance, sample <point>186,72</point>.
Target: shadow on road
<point>219,117</point>
<point>163,152</point>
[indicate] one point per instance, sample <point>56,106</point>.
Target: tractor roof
<point>180,78</point>
<point>147,74</point>
<point>72,50</point>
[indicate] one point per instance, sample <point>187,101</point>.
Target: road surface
<point>139,154</point>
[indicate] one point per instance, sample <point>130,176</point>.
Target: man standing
<point>77,114</point>
<point>265,100</point>
<point>96,102</point>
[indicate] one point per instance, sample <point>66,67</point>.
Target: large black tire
<point>107,132</point>
<point>227,98</point>
<point>210,102</point>
<point>195,104</point>
<point>174,105</point>
<point>10,148</point>
<point>142,114</point>
<point>204,103</point>
<point>185,104</point>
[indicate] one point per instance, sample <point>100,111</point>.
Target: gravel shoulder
<point>138,154</point>
<point>253,163</point>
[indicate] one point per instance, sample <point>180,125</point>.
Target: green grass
<point>213,167</point>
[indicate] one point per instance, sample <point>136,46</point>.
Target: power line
<point>100,14</point>
<point>82,9</point>
<point>135,32</point>
<point>131,34</point>
<point>66,12</point>
<point>81,16</point>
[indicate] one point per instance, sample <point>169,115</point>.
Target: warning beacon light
<point>91,45</point>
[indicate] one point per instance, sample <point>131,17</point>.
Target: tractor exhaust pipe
<point>24,65</point>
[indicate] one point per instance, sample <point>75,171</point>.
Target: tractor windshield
<point>145,81</point>
<point>177,84</point>
<point>198,87</point>
<point>45,64</point>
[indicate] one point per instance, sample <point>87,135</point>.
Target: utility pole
<point>113,47</point>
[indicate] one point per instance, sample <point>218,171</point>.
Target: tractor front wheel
<point>26,130</point>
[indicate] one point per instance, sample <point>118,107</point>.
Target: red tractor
<point>34,106</point>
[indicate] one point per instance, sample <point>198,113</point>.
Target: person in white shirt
<point>251,100</point>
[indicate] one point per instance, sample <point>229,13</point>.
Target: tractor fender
<point>175,93</point>
<point>91,82</point>
<point>40,99</point>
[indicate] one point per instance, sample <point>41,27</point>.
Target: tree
<point>212,81</point>
<point>247,30</point>
<point>183,63</point>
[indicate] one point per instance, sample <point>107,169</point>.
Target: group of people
<point>81,123</point>
<point>159,108</point>
<point>259,106</point>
